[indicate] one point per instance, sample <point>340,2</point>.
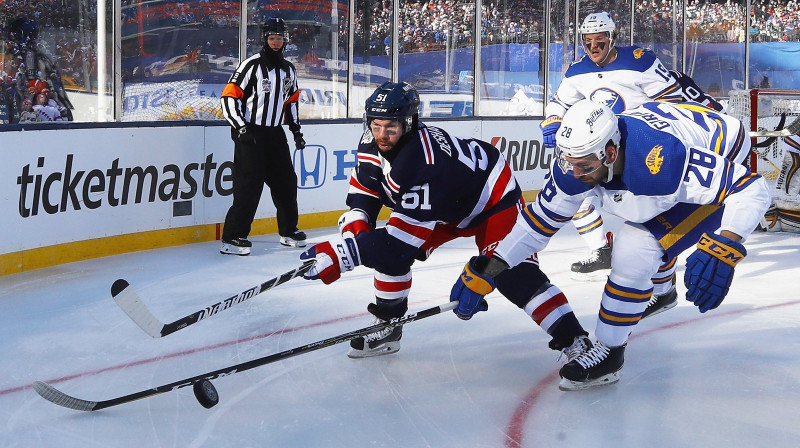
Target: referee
<point>260,96</point>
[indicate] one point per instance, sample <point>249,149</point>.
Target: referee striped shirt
<point>262,95</point>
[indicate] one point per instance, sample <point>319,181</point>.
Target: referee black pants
<point>267,162</point>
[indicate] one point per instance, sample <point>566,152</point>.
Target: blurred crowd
<point>68,28</point>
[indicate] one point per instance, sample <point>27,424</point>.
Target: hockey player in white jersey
<point>621,78</point>
<point>673,172</point>
<point>438,188</point>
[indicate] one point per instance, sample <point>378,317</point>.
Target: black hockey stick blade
<point>129,301</point>
<point>55,396</point>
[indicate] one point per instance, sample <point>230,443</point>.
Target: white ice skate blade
<point>568,385</point>
<point>596,276</point>
<point>230,249</point>
<point>385,349</point>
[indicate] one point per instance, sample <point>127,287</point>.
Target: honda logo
<point>311,166</point>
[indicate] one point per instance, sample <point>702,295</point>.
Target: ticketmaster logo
<point>58,191</point>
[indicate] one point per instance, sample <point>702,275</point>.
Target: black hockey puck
<point>206,393</point>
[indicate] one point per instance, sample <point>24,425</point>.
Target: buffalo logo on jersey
<point>609,98</point>
<point>654,159</point>
<point>638,53</point>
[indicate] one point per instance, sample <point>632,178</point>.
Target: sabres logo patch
<point>654,160</point>
<point>638,53</point>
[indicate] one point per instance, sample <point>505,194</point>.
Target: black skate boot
<point>661,303</point>
<point>383,342</point>
<point>235,246</point>
<point>597,266</point>
<point>598,366</point>
<point>297,239</point>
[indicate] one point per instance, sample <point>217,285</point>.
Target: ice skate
<point>297,239</point>
<point>235,246</point>
<point>597,266</point>
<point>598,366</point>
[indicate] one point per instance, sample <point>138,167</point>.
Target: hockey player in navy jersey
<point>438,188</point>
<point>621,78</point>
<point>692,92</point>
<point>673,172</point>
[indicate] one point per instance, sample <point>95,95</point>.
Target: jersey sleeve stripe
<point>426,146</point>
<point>392,184</point>
<point>357,187</point>
<point>409,231</point>
<point>369,158</point>
<point>744,182</point>
<point>671,93</point>
<point>725,183</point>
<point>736,149</point>
<point>537,224</point>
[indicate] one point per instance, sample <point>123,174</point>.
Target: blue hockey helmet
<point>394,101</point>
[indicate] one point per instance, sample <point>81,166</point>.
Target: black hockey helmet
<point>274,25</point>
<point>394,100</point>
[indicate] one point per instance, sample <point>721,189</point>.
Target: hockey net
<point>171,100</point>
<point>772,110</point>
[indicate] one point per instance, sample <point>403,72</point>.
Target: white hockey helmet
<point>599,22</point>
<point>586,129</point>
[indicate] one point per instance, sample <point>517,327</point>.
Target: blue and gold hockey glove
<point>709,270</point>
<point>549,128</point>
<point>470,288</point>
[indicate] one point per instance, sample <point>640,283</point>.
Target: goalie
<point>784,214</point>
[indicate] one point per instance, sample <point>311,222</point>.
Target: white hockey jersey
<point>636,76</point>
<point>673,154</point>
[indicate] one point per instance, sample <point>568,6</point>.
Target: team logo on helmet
<point>654,159</point>
<point>610,98</point>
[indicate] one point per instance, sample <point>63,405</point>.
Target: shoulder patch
<point>654,159</point>
<point>638,53</point>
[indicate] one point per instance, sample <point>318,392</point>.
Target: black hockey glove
<point>246,136</point>
<point>299,143</point>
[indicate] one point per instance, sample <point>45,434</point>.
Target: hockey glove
<point>299,143</point>
<point>709,270</point>
<point>353,222</point>
<point>470,288</point>
<point>549,128</point>
<point>332,258</point>
<point>246,136</point>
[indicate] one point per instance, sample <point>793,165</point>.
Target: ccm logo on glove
<point>727,254</point>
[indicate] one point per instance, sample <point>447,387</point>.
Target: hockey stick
<point>792,129</point>
<point>127,299</point>
<point>771,140</point>
<point>54,395</point>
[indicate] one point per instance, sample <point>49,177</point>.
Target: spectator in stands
<point>45,111</point>
<point>27,114</point>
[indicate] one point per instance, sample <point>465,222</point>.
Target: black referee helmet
<point>274,25</point>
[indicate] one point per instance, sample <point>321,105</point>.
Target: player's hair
<point>398,101</point>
